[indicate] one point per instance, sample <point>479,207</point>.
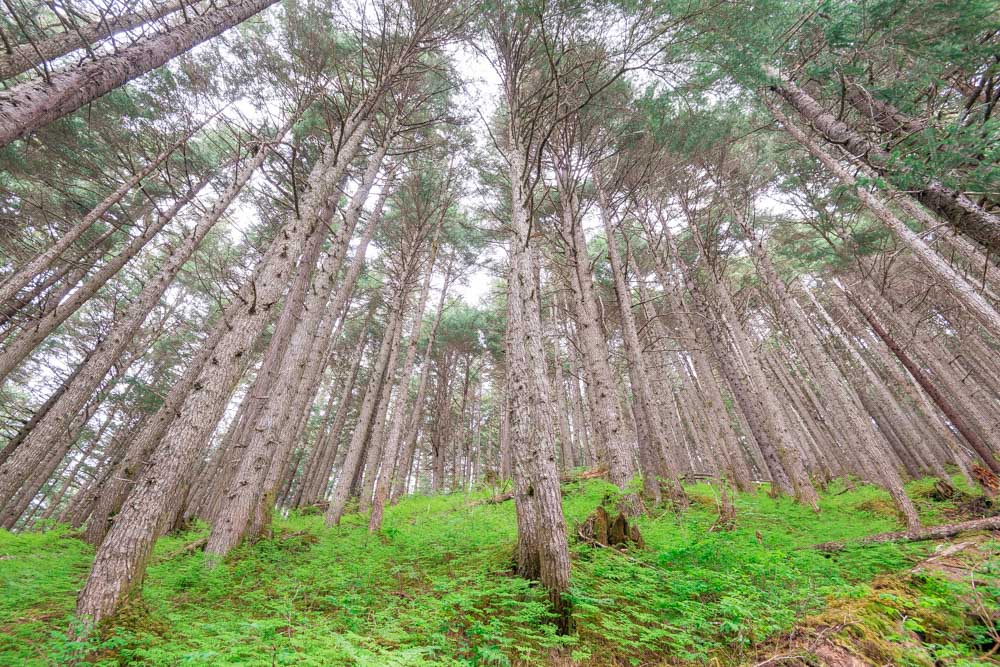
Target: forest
<point>500,332</point>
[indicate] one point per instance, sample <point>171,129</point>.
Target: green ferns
<point>435,588</point>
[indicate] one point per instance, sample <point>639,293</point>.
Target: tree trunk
<point>29,338</point>
<point>316,474</point>
<point>377,385</point>
<point>29,271</point>
<point>957,419</point>
<point>845,413</point>
<point>248,503</point>
<point>392,442</point>
<point>542,549</point>
<point>614,443</point>
<point>963,292</point>
<point>34,104</point>
<point>750,387</point>
<point>49,430</point>
<point>121,558</point>
<point>657,449</point>
<point>967,216</point>
<point>28,56</point>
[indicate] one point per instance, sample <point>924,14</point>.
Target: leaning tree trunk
<point>110,494</point>
<point>870,383</point>
<point>708,386</point>
<point>940,400</point>
<point>34,104</point>
<point>27,272</point>
<point>658,446</point>
<point>957,286</point>
<point>839,404</point>
<point>120,561</point>
<point>28,56</point>
<point>316,473</point>
<point>883,114</point>
<point>29,339</point>
<point>392,442</point>
<point>377,384</point>
<point>413,426</point>
<point>322,344</point>
<point>249,498</point>
<point>49,431</point>
<point>956,207</point>
<point>614,442</point>
<point>65,276</point>
<point>40,413</point>
<point>750,388</point>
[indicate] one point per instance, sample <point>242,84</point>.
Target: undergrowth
<point>435,587</point>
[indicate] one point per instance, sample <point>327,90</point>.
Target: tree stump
<point>987,480</point>
<point>599,528</point>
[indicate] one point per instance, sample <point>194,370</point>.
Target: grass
<point>435,588</point>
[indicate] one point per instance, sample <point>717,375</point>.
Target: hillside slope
<point>435,588</point>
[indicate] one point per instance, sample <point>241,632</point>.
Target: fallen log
<point>931,533</point>
<point>496,500</point>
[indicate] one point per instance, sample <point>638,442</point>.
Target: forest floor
<point>436,588</point>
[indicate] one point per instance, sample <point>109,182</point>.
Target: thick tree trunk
<point>320,478</point>
<point>248,502</point>
<point>542,548</point>
<point>34,104</point>
<point>884,115</point>
<point>28,56</point>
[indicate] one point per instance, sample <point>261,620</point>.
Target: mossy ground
<point>435,588</point>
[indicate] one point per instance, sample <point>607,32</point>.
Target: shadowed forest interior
<point>500,332</point>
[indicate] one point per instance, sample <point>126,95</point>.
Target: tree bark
<point>614,443</point>
<point>34,104</point>
<point>542,548</point>
<point>25,57</point>
<point>48,432</point>
<point>251,495</point>
<point>956,207</point>
<point>120,560</point>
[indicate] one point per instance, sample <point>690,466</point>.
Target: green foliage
<point>436,587</point>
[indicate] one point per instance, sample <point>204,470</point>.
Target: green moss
<point>436,587</point>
